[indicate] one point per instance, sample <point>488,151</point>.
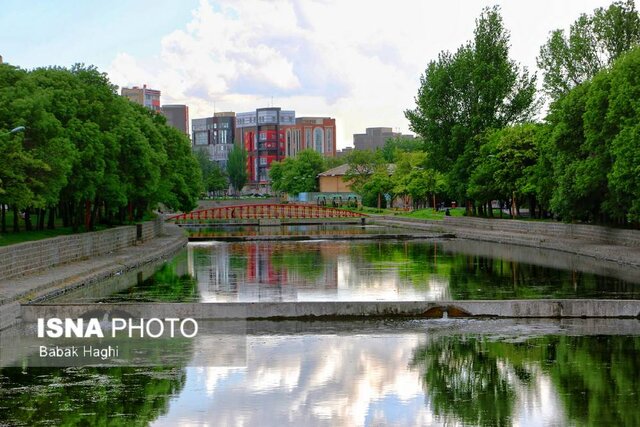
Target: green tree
<point>413,180</point>
<point>503,169</point>
<point>594,42</point>
<point>462,95</point>
<point>378,186</point>
<point>393,147</point>
<point>214,178</point>
<point>237,168</point>
<point>299,174</point>
<point>333,162</point>
<point>362,164</point>
<point>88,154</point>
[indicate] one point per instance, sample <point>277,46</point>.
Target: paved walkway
<point>71,275</point>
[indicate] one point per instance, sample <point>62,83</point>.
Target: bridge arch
<point>267,211</point>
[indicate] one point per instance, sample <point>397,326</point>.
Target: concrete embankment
<point>619,246</point>
<point>65,263</point>
<point>559,308</point>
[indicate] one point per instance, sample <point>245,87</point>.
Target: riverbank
<point>55,280</point>
<point>619,246</point>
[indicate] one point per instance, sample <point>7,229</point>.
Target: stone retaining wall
<point>590,233</point>
<point>32,257</point>
<point>559,308</point>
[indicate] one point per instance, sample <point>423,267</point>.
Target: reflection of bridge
<point>267,211</point>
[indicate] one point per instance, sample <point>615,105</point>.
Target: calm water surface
<point>382,270</point>
<point>427,372</point>
<point>442,372</point>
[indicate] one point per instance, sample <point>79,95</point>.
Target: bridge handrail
<point>267,210</point>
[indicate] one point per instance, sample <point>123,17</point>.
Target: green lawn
<point>11,238</point>
<point>429,213</point>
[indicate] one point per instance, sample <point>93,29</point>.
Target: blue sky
<point>63,32</point>
<point>358,61</point>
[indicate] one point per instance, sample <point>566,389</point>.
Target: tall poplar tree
<point>465,93</point>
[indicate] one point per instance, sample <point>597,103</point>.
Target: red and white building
<point>272,134</point>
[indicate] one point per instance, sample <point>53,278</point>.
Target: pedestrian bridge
<point>266,212</point>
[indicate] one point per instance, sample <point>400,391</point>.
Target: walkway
<point>73,275</point>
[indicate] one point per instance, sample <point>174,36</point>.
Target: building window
<point>200,138</point>
<point>318,140</point>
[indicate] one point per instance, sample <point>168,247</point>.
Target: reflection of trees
<point>478,277</point>
<point>413,262</point>
<point>464,381</point>
<point>87,396</point>
<point>304,260</point>
<point>165,285</point>
<point>597,378</point>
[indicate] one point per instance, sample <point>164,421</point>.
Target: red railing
<point>270,211</point>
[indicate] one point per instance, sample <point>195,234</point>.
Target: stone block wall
<point>592,233</point>
<point>32,257</point>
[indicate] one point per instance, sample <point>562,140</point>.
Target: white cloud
<point>358,61</point>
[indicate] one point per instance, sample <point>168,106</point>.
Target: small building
<point>177,116</point>
<point>375,138</point>
<point>150,98</point>
<point>262,134</point>
<point>315,133</point>
<point>215,135</point>
<point>332,181</point>
<point>344,152</point>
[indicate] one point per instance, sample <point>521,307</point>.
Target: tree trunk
<point>95,214</point>
<point>532,206</point>
<point>52,218</point>
<point>16,224</point>
<point>64,213</point>
<point>27,220</point>
<point>3,219</point>
<point>41,215</point>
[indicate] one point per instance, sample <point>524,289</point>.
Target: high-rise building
<point>375,138</point>
<point>316,133</point>
<point>177,116</point>
<point>215,135</point>
<point>150,98</point>
<point>262,133</point>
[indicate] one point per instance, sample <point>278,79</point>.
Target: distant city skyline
<point>357,61</point>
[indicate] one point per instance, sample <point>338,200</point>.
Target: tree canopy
<point>87,154</point>
<point>295,175</point>
<point>465,93</point>
<point>237,168</point>
<point>593,43</point>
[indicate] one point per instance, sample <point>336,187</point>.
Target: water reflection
<point>336,270</point>
<point>86,396</point>
<point>438,372</point>
<point>384,270</point>
<point>320,230</point>
<point>412,378</point>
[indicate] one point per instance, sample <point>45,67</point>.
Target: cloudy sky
<point>359,61</point>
